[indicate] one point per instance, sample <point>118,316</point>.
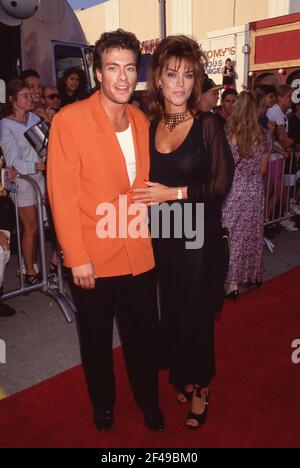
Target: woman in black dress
<point>191,164</point>
<point>228,74</point>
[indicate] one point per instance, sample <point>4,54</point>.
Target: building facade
<point>193,17</point>
<point>225,28</point>
<point>275,52</point>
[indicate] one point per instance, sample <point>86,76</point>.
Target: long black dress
<point>191,282</point>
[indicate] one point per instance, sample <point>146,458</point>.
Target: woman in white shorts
<point>18,153</point>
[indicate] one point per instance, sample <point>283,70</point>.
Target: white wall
<point>112,15</point>
<point>283,7</point>
<point>181,17</point>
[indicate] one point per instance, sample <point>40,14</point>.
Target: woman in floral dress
<point>243,210</point>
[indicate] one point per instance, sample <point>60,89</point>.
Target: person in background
<point>33,81</point>
<point>294,134</point>
<point>228,99</point>
<point>72,86</point>
<point>51,100</point>
<point>20,155</point>
<point>6,225</point>
<point>283,147</point>
<point>52,103</point>
<point>228,74</point>
<point>243,210</point>
<point>210,94</point>
<point>268,101</point>
<point>5,309</point>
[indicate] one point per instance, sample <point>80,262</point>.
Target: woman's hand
<point>154,194</point>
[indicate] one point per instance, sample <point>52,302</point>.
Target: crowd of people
<point>28,103</point>
<point>227,158</point>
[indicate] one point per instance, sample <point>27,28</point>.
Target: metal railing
<point>52,285</point>
<point>280,192</point>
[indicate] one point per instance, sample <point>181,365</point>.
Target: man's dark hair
<point>119,39</point>
<point>229,92</point>
<point>27,73</point>
<point>267,89</point>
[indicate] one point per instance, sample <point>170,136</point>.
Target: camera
<point>38,137</point>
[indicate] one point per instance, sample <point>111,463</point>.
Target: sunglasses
<point>52,96</point>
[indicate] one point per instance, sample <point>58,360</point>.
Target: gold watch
<point>179,194</point>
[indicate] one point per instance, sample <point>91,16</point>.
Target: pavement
<point>40,343</point>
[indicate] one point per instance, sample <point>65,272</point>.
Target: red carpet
<point>255,400</point>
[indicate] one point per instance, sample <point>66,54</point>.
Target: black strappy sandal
<point>199,418</point>
<point>187,395</point>
<point>32,280</point>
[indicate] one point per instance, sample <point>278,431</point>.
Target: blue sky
<point>83,3</point>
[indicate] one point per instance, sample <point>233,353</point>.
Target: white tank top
<point>127,145</point>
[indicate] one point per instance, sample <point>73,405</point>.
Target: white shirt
<point>127,145</point>
<point>276,115</point>
<point>17,151</point>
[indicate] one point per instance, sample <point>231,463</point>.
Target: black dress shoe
<point>154,419</point>
<point>104,420</point>
<point>6,310</point>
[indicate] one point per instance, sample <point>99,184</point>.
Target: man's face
<point>285,101</point>
<point>228,103</point>
<point>212,98</point>
<point>118,75</point>
<point>51,98</point>
<point>35,87</point>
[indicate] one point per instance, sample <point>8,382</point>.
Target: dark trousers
<point>133,300</point>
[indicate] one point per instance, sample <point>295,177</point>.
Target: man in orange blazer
<point>98,154</point>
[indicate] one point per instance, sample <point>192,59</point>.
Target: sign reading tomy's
<point>217,52</point>
<point>217,59</point>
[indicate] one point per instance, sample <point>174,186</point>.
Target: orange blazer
<point>86,167</point>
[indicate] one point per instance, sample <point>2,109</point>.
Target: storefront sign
<point>217,58</point>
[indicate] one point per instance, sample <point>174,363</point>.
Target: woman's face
<point>177,82</point>
<point>72,83</point>
<point>23,101</point>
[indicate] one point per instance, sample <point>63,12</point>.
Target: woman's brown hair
<point>182,48</point>
<point>243,124</point>
<point>13,87</point>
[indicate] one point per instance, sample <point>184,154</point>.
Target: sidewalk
<point>41,344</point>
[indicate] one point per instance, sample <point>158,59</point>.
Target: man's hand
<point>51,113</point>
<point>4,241</point>
<point>84,276</point>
